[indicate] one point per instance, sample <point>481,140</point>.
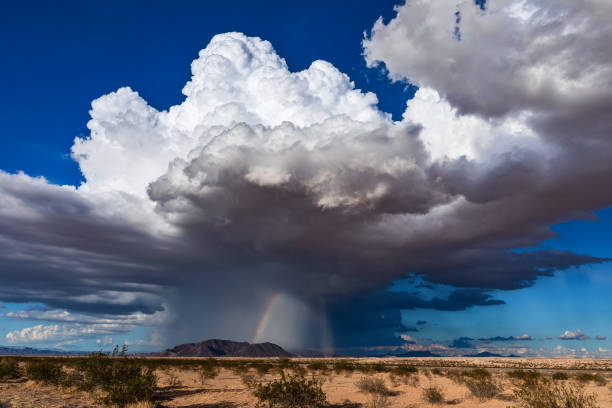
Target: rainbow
<point>265,318</point>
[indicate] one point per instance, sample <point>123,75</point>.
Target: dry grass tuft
<point>548,394</point>
<point>433,395</point>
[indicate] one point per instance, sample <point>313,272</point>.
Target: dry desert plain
<point>180,383</point>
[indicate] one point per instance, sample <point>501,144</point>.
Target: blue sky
<point>58,58</point>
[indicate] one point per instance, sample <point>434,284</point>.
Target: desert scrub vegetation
<point>588,377</point>
<point>524,375</point>
<point>560,376</point>
<point>249,380</point>
<point>476,373</point>
<point>343,366</point>
<point>543,393</point>
<point>404,370</point>
<point>44,372</point>
<point>124,380</point>
<point>373,385</point>
<point>290,391</point>
<point>483,388</point>
<point>9,368</point>
<point>121,380</point>
<point>433,395</point>
<point>378,391</point>
<point>208,370</point>
<point>318,366</point>
<point>262,367</point>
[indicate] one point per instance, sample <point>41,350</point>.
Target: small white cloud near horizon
<point>573,335</point>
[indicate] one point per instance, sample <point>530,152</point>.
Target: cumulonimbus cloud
<point>265,181</point>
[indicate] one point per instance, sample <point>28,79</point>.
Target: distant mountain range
<point>226,348</point>
<point>485,354</point>
<point>28,351</point>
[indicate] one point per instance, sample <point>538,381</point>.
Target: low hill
<point>226,348</point>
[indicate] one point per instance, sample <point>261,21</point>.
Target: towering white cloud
<point>236,79</point>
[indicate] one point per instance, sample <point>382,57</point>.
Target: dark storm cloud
<point>509,338</point>
<point>462,343</point>
<point>375,318</point>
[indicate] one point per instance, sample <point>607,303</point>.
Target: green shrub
<point>483,388</point>
<point>374,368</point>
<point>44,371</point>
<point>548,394</point>
<point>560,376</point>
<point>343,366</point>
<point>433,395</point>
<point>209,370</point>
<point>378,401</point>
<point>9,368</point>
<point>476,373</point>
<point>588,377</point>
<point>124,380</point>
<point>248,380</point>
<point>530,375</point>
<point>404,370</point>
<point>262,368</point>
<point>318,366</point>
<point>290,391</point>
<point>436,371</point>
<point>285,363</point>
<point>373,385</point>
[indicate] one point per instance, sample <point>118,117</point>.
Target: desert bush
<point>248,380</point>
<point>436,371</point>
<point>373,385</point>
<point>299,370</point>
<point>483,388</point>
<point>285,363</point>
<point>209,370</point>
<point>262,368</point>
<point>9,368</point>
<point>374,368</point>
<point>290,391</point>
<point>455,376</point>
<point>379,393</point>
<point>588,377</point>
<point>44,371</point>
<point>173,379</point>
<point>4,404</point>
<point>529,375</point>
<point>547,394</point>
<point>124,380</point>
<point>433,395</point>
<point>404,370</point>
<point>342,366</point>
<point>318,366</point>
<point>476,373</point>
<point>378,401</point>
<point>560,376</point>
<point>71,378</point>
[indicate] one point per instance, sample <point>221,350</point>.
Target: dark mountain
<point>226,348</point>
<point>28,351</point>
<point>484,354</point>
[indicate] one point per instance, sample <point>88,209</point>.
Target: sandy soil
<point>183,388</point>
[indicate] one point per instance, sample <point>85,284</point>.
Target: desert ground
<point>180,382</point>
